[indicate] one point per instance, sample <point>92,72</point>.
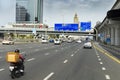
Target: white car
<point>44,41</point>
<point>8,42</point>
<point>57,41</point>
<point>79,41</point>
<point>87,45</point>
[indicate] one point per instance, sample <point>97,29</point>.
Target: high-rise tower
<point>76,18</point>
<point>34,10</point>
<point>40,11</point>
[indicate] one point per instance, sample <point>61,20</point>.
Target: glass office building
<point>28,10</point>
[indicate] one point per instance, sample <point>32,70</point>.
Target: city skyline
<point>59,11</point>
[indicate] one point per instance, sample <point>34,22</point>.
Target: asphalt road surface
<point>68,61</point>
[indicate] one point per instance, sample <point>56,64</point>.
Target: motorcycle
<point>15,71</point>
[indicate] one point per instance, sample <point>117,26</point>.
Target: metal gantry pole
<point>96,33</point>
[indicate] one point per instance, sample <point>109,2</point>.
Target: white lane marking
<point>72,55</point>
<point>107,77</point>
<point>103,68</point>
<point>62,48</point>
<point>101,62</point>
<point>49,76</point>
<point>47,54</point>
<point>45,48</point>
<point>97,53</point>
<point>31,59</point>
<point>75,51</point>
<point>22,52</point>
<point>0,57</point>
<point>65,61</point>
<point>99,59</point>
<point>98,56</point>
<point>56,50</point>
<point>2,69</point>
<point>37,50</point>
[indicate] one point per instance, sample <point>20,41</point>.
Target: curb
<point>106,53</point>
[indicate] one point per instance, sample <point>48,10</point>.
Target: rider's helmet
<point>17,51</point>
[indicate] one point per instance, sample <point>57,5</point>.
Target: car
<point>79,41</point>
<point>51,40</point>
<point>44,41</point>
<point>57,41</point>
<point>87,45</point>
<point>7,42</point>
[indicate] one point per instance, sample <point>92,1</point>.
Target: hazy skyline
<point>59,11</point>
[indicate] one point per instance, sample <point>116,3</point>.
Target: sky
<point>62,11</point>
<point>7,12</point>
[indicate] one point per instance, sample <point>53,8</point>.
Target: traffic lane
<point>111,66</point>
<point>82,66</point>
<point>22,46</point>
<point>38,68</point>
<point>36,50</point>
<point>45,67</point>
<point>25,49</point>
<point>29,52</point>
<point>39,52</point>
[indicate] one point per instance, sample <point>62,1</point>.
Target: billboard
<point>66,27</point>
<point>85,26</point>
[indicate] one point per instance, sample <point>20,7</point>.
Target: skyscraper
<point>34,10</point>
<point>21,11</point>
<point>40,11</point>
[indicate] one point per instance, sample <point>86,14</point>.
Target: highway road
<point>68,61</point>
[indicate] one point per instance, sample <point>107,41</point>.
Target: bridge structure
<point>109,29</point>
<point>37,29</point>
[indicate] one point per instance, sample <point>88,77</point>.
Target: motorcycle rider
<point>20,63</point>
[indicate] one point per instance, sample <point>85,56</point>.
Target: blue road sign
<point>85,26</point>
<point>66,27</point>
